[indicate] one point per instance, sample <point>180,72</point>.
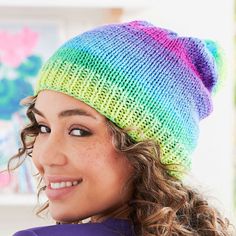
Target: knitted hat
<point>140,77</point>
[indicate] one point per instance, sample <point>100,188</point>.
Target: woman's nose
<point>52,151</point>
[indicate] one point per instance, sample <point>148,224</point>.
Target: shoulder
<point>108,228</point>
<point>69,230</point>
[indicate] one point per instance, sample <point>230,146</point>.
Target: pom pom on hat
<point>220,60</point>
<point>140,77</point>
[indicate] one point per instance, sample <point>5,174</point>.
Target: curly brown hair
<point>161,204</point>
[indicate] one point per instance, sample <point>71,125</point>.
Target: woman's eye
<point>43,129</point>
<point>79,132</point>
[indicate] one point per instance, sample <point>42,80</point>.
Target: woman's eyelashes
<point>43,129</point>
<point>78,132</point>
<point>75,131</point>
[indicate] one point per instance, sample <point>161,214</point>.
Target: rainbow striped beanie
<point>143,78</point>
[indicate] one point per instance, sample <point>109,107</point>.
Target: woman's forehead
<point>48,100</point>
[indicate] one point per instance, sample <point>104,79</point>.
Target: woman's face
<point>73,152</point>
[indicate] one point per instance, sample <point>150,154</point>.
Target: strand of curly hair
<point>161,204</point>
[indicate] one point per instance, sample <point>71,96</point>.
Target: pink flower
<point>14,48</point>
<point>5,179</point>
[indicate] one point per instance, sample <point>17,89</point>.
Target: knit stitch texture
<point>140,77</point>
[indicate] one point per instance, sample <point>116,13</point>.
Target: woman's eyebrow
<point>73,112</point>
<point>70,112</point>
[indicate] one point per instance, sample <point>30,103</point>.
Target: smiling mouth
<point>64,184</point>
<point>59,187</point>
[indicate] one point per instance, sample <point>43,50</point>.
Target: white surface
<point>18,200</point>
<point>77,3</point>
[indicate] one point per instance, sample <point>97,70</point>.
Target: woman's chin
<point>64,217</point>
<point>61,216</point>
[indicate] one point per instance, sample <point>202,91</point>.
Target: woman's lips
<point>58,188</point>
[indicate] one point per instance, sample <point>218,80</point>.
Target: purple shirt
<point>109,227</point>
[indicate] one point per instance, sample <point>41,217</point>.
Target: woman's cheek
<point>35,155</point>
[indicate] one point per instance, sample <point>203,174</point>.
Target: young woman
<point>113,122</point>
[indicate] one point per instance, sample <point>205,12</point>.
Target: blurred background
<point>31,30</point>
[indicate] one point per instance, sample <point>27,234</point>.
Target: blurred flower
<point>14,48</point>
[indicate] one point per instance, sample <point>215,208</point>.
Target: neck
<point>122,212</point>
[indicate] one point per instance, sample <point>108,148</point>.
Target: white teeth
<point>55,185</point>
<point>63,184</point>
<point>68,184</point>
